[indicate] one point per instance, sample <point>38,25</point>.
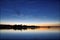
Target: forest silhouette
<point>24,27</point>
<point>18,27</point>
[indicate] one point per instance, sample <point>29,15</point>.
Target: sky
<point>34,12</point>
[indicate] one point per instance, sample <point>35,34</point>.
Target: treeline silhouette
<point>18,27</point>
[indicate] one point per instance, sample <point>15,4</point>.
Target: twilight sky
<point>37,12</point>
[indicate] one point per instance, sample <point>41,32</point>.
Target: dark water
<point>37,34</point>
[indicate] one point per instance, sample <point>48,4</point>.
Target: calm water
<point>29,34</point>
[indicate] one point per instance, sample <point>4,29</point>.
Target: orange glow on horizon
<point>36,24</point>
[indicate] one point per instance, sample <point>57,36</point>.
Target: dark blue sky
<point>29,11</point>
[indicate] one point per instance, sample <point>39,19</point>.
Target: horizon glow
<point>30,12</point>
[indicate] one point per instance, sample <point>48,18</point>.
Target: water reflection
<point>37,30</point>
<point>30,33</point>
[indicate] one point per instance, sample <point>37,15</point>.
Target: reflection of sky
<point>29,34</point>
<point>29,11</point>
<point>38,30</point>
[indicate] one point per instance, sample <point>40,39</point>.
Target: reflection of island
<point>25,27</point>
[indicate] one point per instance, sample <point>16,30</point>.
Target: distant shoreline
<point>20,27</point>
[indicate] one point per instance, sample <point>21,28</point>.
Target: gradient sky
<point>29,12</point>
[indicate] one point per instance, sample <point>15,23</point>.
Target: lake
<point>30,34</point>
